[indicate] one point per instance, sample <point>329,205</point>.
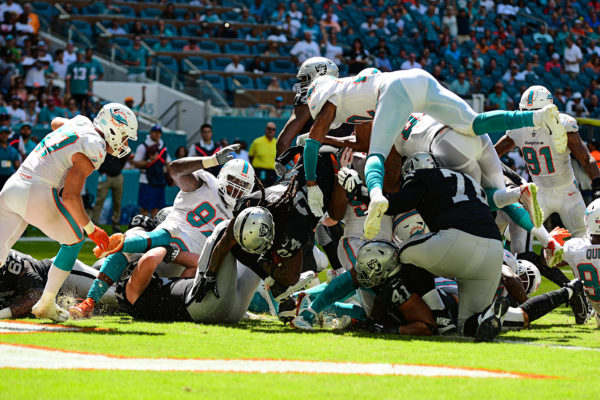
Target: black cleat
<point>490,327</point>
<point>287,310</point>
<point>579,303</point>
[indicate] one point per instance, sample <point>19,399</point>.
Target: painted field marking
<point>25,356</point>
<point>20,327</point>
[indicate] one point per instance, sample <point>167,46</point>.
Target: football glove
<point>349,179</point>
<point>100,237</point>
<point>345,157</point>
<point>301,139</point>
<point>208,282</point>
<point>315,200</point>
<point>172,253</point>
<point>225,155</point>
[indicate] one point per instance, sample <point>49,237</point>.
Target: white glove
<point>377,207</point>
<point>315,200</point>
<point>301,139</point>
<point>349,179</point>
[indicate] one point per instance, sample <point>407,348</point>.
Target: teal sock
<point>113,267</point>
<point>490,198</point>
<point>336,290</point>
<point>501,121</point>
<point>374,171</point>
<point>315,291</point>
<point>143,243</point>
<point>352,310</point>
<point>517,213</point>
<point>65,259</point>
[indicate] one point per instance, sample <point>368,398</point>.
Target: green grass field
<point>553,346</point>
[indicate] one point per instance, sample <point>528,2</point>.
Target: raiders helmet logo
<point>263,231</point>
<point>321,69</point>
<point>374,265</point>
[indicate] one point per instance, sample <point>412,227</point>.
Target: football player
<point>23,278</point>
<point>203,202</point>
<point>583,255</point>
<point>60,163</point>
<point>388,99</point>
<point>550,166</point>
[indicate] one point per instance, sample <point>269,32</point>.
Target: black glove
<point>172,253</point>
<point>596,188</point>
<point>208,282</point>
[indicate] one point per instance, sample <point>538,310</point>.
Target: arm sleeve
<point>338,289</point>
<point>407,198</point>
<point>310,158</point>
<point>374,171</point>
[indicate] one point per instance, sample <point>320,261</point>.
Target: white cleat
<point>553,253</point>
<point>50,311</point>
<point>377,209</point>
<point>302,323</point>
<point>557,130</point>
<point>529,201</point>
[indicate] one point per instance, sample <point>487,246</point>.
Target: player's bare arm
<point>513,285</point>
<point>321,126</point>
<point>418,315</point>
<point>221,249</point>
<point>292,128</point>
<point>338,201</point>
<point>504,145</point>
<point>285,271</point>
<point>357,142</point>
<point>22,306</point>
<point>582,154</point>
<point>74,182</point>
<point>393,171</point>
<point>142,274</point>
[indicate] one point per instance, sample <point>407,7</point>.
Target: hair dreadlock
<point>281,207</point>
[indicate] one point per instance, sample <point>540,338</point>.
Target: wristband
<point>209,162</point>
<point>89,228</point>
<point>5,313</point>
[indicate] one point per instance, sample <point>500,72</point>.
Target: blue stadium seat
<point>211,47</point>
<point>168,62</point>
<point>240,81</point>
<point>198,62</point>
<point>262,82</point>
<point>220,63</point>
<point>216,80</point>
<point>44,9</point>
<point>85,28</point>
<point>123,41</point>
<point>556,72</point>
<point>178,44</point>
<point>236,48</point>
<point>151,13</point>
<point>282,66</point>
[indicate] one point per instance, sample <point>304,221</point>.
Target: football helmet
<point>407,225</point>
<point>254,230</point>
<point>592,218</point>
<point>119,125</point>
<point>530,276</point>
<point>535,98</point>
<point>146,223</point>
<point>369,71</point>
<point>163,214</point>
<point>314,67</point>
<point>376,261</point>
<point>236,179</point>
<point>418,161</point>
<point>510,261</point>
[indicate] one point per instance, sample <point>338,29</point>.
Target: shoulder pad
<point>574,245</point>
<point>569,122</point>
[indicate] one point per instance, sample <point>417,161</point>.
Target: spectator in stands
<point>59,66</point>
<point>498,99</point>
<point>227,30</point>
<point>235,65</point>
<point>49,112</point>
<point>19,88</point>
<point>35,71</point>
<point>332,50</point>
<point>294,12</point>
<point>559,99</point>
<point>593,64</point>
<point>70,55</point>
<point>482,45</point>
<point>573,57</point>
<point>305,49</point>
<point>432,26</point>
<point>160,28</point>
<point>274,84</point>
<point>594,151</point>
<point>453,51</point>
<point>542,36</point>
<point>278,16</point>
<point>329,24</point>
<point>22,141</point>
<point>593,106</point>
<point>246,17</point>
<point>206,147</point>
<point>139,29</point>
<point>116,29</point>
<point>164,44</point>
<point>10,5</point>
<point>9,157</point>
<point>181,152</point>
<point>96,68</point>
<point>241,153</point>
<point>8,69</point>
<point>111,178</point>
<point>382,62</point>
<point>411,62</point>
<point>169,11</point>
<point>474,80</point>
<point>79,83</point>
<point>510,75</point>
<point>32,18</point>
<point>368,25</point>
<point>278,109</point>
<point>277,35</point>
<point>16,112</point>
<point>136,108</point>
<point>137,59</point>
<point>254,34</point>
<point>475,57</point>
<point>258,11</point>
<point>71,110</point>
<point>31,110</point>
<point>450,21</point>
<point>461,86</point>
<point>553,63</point>
<point>291,26</point>
<point>256,65</point>
<point>272,50</point>
<point>262,155</point>
<point>576,107</point>
<point>191,45</point>
<point>357,58</point>
<point>152,158</point>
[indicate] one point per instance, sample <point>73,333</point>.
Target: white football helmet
<point>314,67</point>
<point>511,261</point>
<point>418,161</point>
<point>375,262</point>
<point>535,97</point>
<point>592,218</point>
<point>119,125</point>
<point>530,276</point>
<point>236,179</point>
<point>163,213</point>
<point>254,230</point>
<point>368,71</point>
<point>407,225</point>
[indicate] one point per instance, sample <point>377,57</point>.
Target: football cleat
<point>265,292</point>
<point>300,322</point>
<point>529,201</point>
<point>553,253</point>
<point>83,310</point>
<point>287,310</point>
<point>578,302</point>
<point>557,130</point>
<point>115,245</point>
<point>303,281</point>
<point>597,320</point>
<point>50,311</point>
<point>443,320</point>
<point>491,323</point>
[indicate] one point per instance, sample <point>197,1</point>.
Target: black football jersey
<point>446,199</point>
<point>21,273</point>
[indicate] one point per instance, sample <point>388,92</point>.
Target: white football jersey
<point>196,214</point>
<point>584,259</point>
<point>51,159</point>
<point>548,168</point>
<point>417,135</point>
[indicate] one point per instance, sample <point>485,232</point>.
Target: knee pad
<point>65,259</point>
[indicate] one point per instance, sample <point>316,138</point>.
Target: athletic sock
<point>501,121</point>
<point>354,311</point>
<point>520,216</point>
<point>433,300</point>
<point>112,268</point>
<point>56,278</point>
<point>538,306</point>
<point>143,242</point>
<point>336,290</point>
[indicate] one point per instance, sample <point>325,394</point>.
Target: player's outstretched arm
<point>582,154</point>
<point>419,317</point>
<point>292,128</point>
<point>504,145</point>
<point>22,306</point>
<point>318,131</point>
<point>182,170</point>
